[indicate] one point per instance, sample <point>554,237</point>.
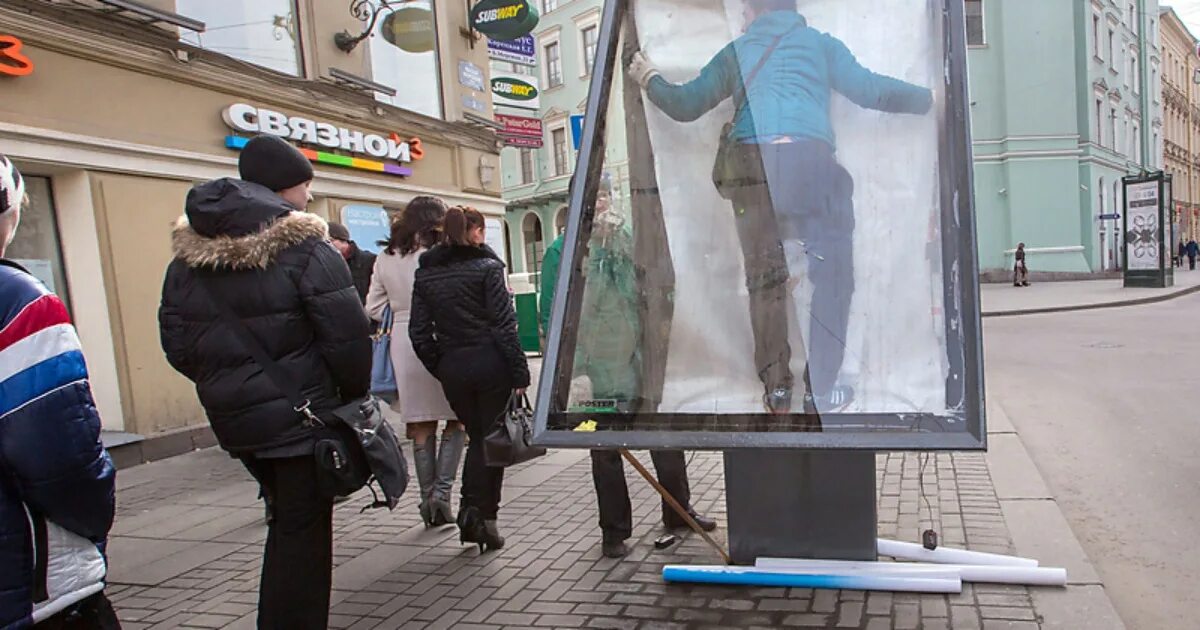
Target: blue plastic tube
<point>755,576</point>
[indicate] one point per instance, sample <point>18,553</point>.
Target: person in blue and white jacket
<point>56,481</point>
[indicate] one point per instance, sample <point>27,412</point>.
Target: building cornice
<point>152,51</point>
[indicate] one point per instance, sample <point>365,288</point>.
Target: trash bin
<point>527,321</point>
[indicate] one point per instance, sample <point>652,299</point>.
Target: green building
<point>536,180</point>
<point>1065,100</point>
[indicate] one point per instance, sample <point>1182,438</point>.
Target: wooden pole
<point>679,509</point>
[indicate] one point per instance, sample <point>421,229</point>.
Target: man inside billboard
<point>608,365</point>
<point>777,165</point>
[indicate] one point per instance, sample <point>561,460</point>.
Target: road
<point>1105,401</point>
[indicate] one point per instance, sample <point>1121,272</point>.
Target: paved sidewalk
<point>1000,299</point>
<point>187,544</point>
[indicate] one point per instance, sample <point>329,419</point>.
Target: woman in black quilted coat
<point>249,244</point>
<point>464,329</point>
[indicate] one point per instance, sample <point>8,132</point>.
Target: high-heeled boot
<point>425,463</point>
<point>449,459</point>
<point>492,539</point>
<point>470,524</point>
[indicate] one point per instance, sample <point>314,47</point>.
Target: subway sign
<point>515,90</point>
<point>504,20</point>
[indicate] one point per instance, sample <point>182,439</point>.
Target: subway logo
<point>514,89</point>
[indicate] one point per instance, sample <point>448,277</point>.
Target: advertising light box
<point>771,234</point>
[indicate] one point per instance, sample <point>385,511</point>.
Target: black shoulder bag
<point>354,443</point>
<point>729,172</point>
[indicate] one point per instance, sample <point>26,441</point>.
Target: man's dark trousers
<point>612,492</point>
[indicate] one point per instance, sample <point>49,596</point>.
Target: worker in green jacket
<point>607,352</point>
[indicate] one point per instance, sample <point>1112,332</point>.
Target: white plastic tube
<point>859,581</point>
<point>993,574</point>
<point>948,555</point>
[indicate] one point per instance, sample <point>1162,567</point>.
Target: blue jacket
<point>790,94</point>
<point>56,480</point>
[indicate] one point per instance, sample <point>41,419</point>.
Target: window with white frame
<point>1133,21</point>
<point>562,156</point>
<point>1137,142</point>
<point>263,32</point>
<point>413,72</point>
<point>527,166</point>
<point>1112,118</point>
<point>588,38</point>
<point>548,6</point>
<point>1112,49</point>
<point>553,55</point>
<point>975,32</point>
<point>1100,122</point>
<point>1096,35</point>
<point>1137,72</point>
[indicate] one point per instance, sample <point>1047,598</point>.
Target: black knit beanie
<point>272,162</point>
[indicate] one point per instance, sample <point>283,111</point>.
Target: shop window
<point>405,58</point>
<point>261,32</point>
<point>589,37</point>
<point>554,75</point>
<point>558,143</point>
<point>975,33</point>
<point>526,166</point>
<point>36,246</point>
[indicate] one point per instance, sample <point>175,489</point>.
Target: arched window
<point>560,220</point>
<point>531,230</point>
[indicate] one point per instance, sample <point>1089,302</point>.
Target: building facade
<point>1181,121</point>
<point>1065,101</point>
<point>122,112</point>
<point>536,181</point>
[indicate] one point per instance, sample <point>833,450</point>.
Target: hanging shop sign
<point>504,20</point>
<point>394,153</point>
<point>515,90</point>
<point>577,129</point>
<point>523,126</point>
<point>522,50</point>
<point>13,62</point>
<point>410,29</point>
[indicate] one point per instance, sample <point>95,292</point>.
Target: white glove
<point>640,70</point>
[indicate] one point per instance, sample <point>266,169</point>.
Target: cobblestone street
<point>187,545</point>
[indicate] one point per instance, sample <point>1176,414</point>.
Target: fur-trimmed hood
<point>256,250</point>
<point>234,224</point>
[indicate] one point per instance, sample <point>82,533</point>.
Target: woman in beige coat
<point>421,403</point>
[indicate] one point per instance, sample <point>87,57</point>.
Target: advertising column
<point>1147,230</point>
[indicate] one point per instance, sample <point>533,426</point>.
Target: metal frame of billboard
<point>964,385</point>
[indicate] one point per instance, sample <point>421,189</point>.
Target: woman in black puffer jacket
<point>254,248</point>
<point>464,329</point>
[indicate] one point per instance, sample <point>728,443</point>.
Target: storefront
<point>114,124</point>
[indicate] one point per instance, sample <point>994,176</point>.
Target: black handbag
<point>510,441</point>
<point>355,445</point>
<point>729,170</point>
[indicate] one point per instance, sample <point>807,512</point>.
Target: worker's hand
<point>640,70</point>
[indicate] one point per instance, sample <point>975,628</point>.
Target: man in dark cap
<point>248,244</point>
<point>362,263</point>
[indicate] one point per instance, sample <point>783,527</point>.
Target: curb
<point>1091,307</point>
<point>1039,529</point>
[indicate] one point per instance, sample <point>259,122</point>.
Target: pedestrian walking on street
<point>1180,253</point>
<point>57,494</point>
<point>1193,249</point>
<point>361,263</point>
<point>421,403</point>
<point>464,329</point>
<point>247,243</point>
<point>607,355</point>
<point>782,175</point>
<point>1020,269</point>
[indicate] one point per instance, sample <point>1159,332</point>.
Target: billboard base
<point>800,504</point>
